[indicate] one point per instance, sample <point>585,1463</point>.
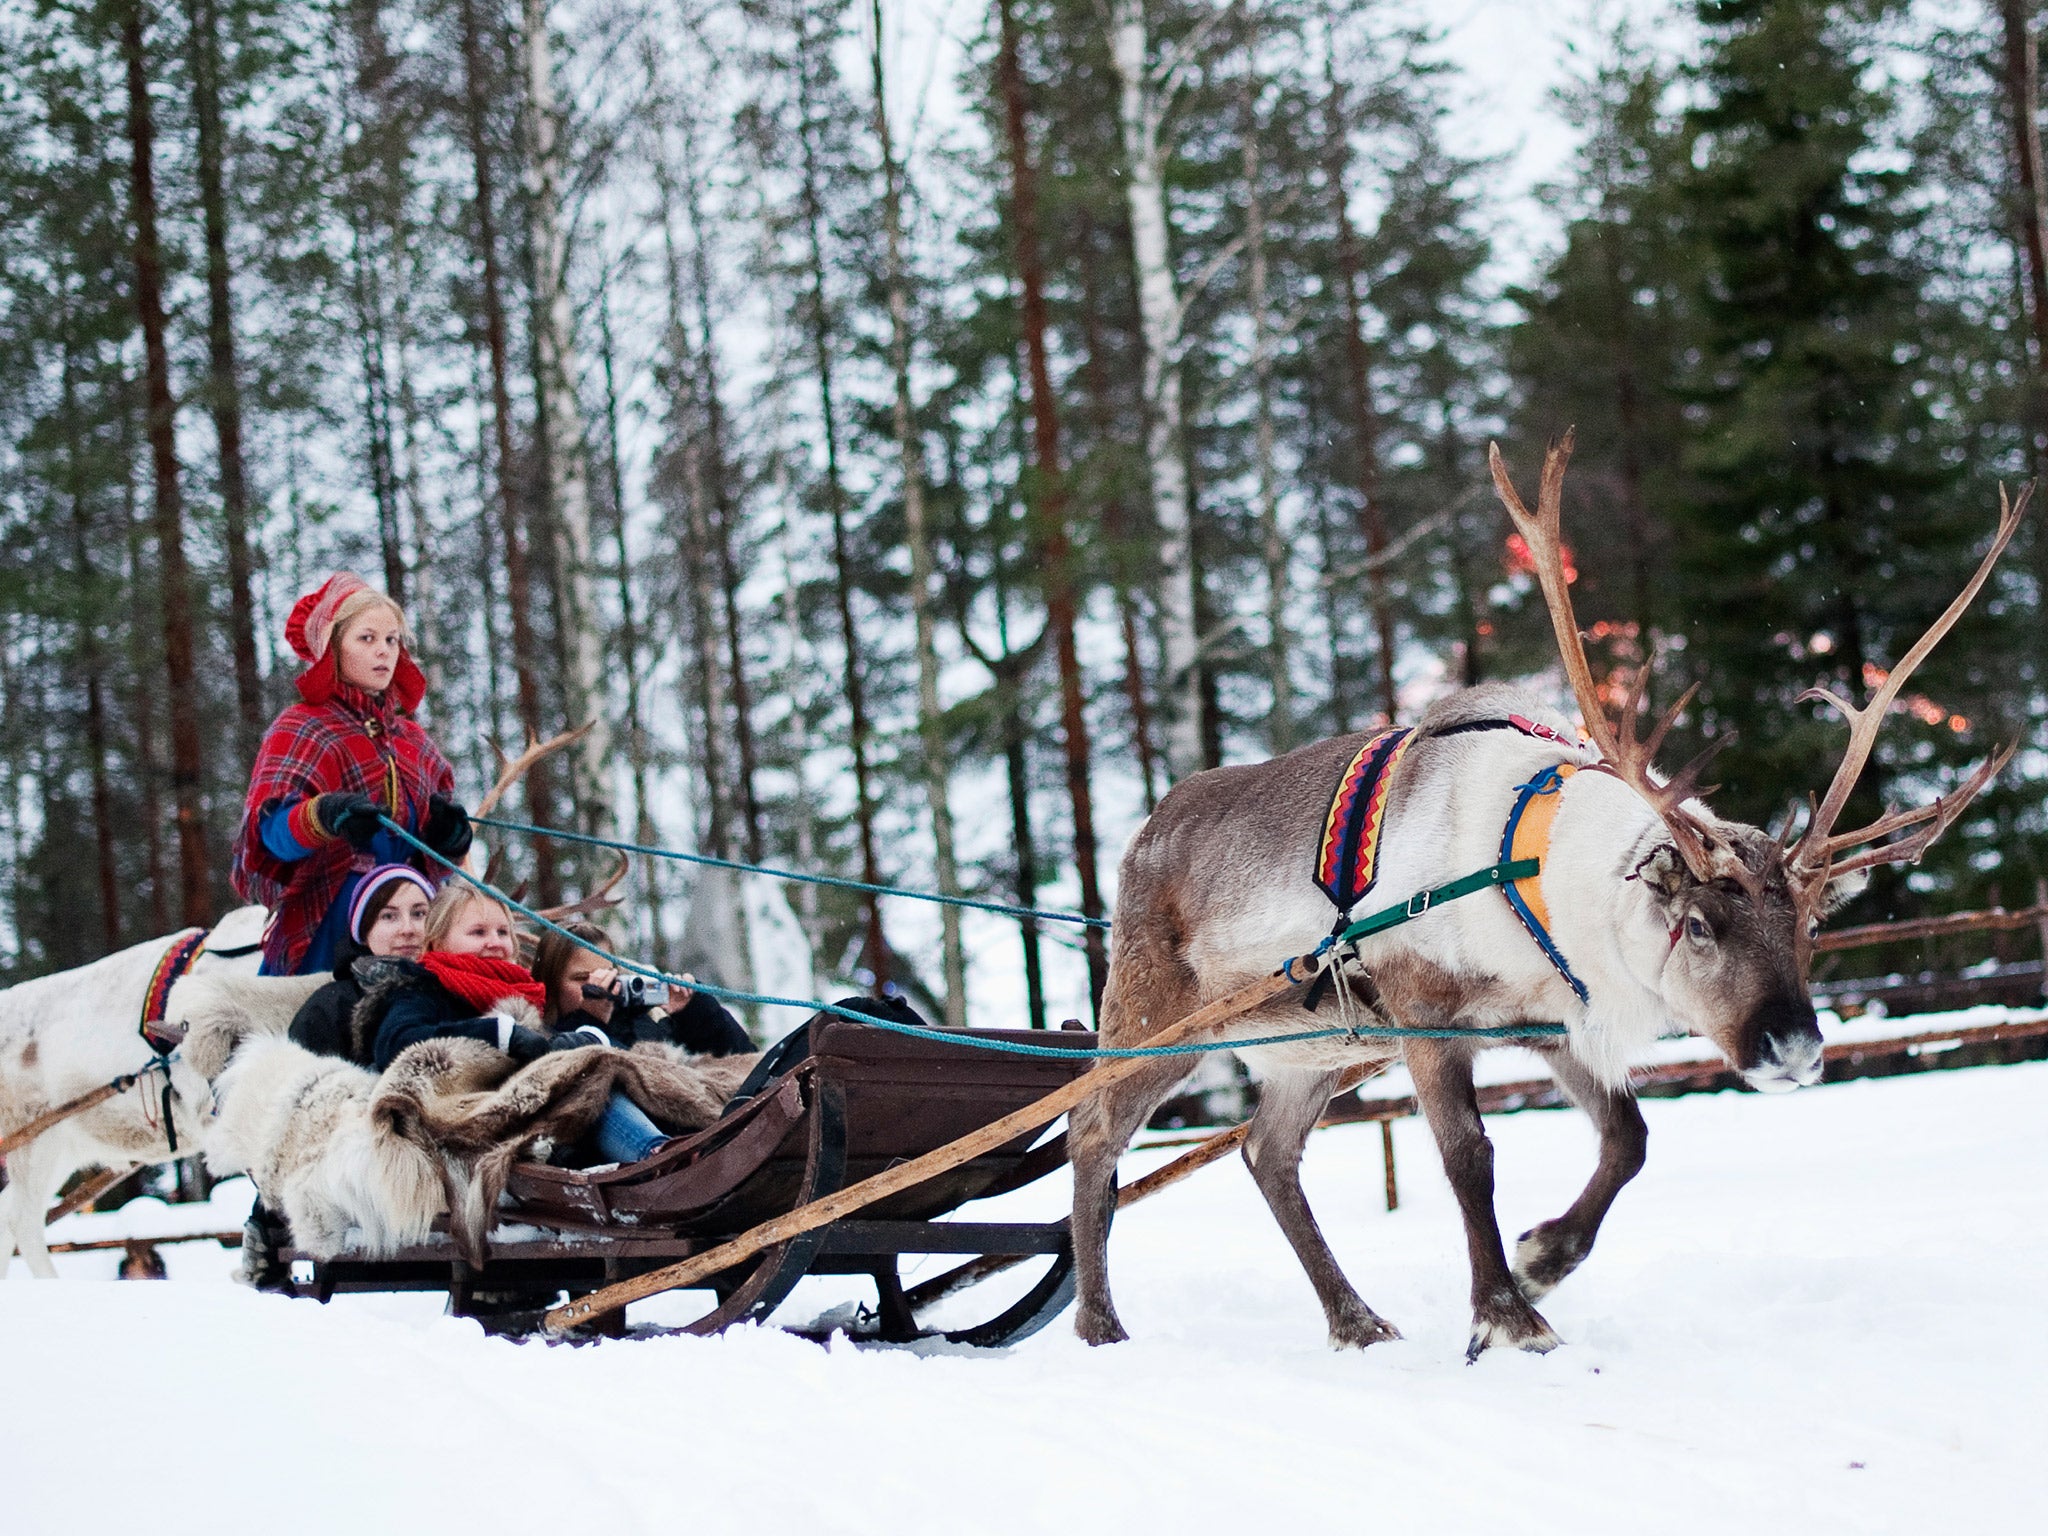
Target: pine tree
<point>1823,532</point>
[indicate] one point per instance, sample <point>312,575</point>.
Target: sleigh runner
<point>861,1101</point>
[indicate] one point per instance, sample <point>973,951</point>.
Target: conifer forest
<point>915,459</point>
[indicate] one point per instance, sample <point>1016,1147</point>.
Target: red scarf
<point>482,982</point>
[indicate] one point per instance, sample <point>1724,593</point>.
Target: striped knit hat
<point>365,907</point>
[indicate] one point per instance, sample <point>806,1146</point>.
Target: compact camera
<point>627,992</point>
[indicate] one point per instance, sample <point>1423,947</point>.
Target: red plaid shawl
<point>351,741</point>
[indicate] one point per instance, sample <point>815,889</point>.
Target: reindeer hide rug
<point>358,1162</point>
<point>466,1105</point>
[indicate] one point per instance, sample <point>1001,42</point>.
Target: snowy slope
<point>1822,1312</point>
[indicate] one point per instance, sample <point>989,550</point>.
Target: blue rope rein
<point>953,1037</point>
<point>1040,914</point>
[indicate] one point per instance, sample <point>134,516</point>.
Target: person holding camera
<point>587,993</point>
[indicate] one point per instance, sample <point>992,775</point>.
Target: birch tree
<point>560,426</point>
<point>1149,86</point>
<point>910,455</point>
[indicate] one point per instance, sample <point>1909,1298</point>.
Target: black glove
<point>344,813</point>
<point>445,828</point>
<point>527,1044</point>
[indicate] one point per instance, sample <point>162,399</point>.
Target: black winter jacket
<point>702,1026</point>
<point>403,1004</point>
<point>322,1023</point>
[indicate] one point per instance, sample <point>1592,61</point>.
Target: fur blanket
<point>358,1162</point>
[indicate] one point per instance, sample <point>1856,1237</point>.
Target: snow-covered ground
<point>1822,1312</point>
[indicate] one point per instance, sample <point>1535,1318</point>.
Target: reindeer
<point>64,1034</point>
<point>1666,914</point>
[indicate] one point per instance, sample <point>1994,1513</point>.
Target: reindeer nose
<point>1788,1048</point>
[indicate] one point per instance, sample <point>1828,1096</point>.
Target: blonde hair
<point>450,902</point>
<point>358,603</point>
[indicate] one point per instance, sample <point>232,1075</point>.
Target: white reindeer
<point>1665,914</point>
<point>65,1034</point>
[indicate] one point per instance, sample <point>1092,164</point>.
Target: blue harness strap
<point>1549,782</point>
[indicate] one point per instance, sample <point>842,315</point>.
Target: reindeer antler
<point>598,900</point>
<point>514,769</point>
<point>1812,858</point>
<point>1628,756</point>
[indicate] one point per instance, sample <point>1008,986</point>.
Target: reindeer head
<point>1742,907</point>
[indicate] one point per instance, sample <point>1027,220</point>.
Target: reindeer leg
<point>32,1180</point>
<point>1550,1250</point>
<point>1098,1130</point>
<point>1443,1086</point>
<point>1289,1106</point>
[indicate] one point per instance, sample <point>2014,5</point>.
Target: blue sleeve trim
<point>276,822</point>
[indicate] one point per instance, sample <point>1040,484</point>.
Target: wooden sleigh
<point>861,1101</point>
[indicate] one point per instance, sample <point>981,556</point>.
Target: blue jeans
<point>624,1134</point>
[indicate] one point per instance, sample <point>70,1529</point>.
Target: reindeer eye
<point>1697,930</point>
<point>1813,928</point>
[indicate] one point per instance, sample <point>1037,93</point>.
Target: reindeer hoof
<point>1544,1255</point>
<point>1509,1320</point>
<point>1359,1329</point>
<point>1099,1327</point>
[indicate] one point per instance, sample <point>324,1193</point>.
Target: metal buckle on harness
<point>1419,903</point>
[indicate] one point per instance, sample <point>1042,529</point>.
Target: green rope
<point>836,881</point>
<point>1019,1048</point>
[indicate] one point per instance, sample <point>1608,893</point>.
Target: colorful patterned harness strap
<point>1347,860</point>
<point>176,961</point>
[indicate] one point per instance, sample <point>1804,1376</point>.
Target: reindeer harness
<point>1347,857</point>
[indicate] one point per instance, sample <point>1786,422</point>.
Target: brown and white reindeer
<point>1665,915</point>
<point>65,1034</point>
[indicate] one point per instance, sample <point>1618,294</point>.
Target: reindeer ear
<point>1664,871</point>
<point>1844,889</point>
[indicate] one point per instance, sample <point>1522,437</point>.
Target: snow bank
<point>1813,1313</point>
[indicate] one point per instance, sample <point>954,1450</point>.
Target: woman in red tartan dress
<point>328,767</point>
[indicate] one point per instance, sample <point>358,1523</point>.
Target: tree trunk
<point>1055,547</point>
<point>629,637</point>
<point>224,389</point>
<point>540,805</point>
<point>142,707</point>
<point>370,342</point>
<point>1280,713</point>
<point>2023,101</point>
<point>91,655</point>
<point>910,454</point>
<point>722,500</point>
<point>801,665</point>
<point>694,532</point>
<point>567,490</point>
<point>1372,517</point>
<point>876,945</point>
<point>195,876</point>
<point>1116,528</point>
<point>1339,705</point>
<point>1142,108</point>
